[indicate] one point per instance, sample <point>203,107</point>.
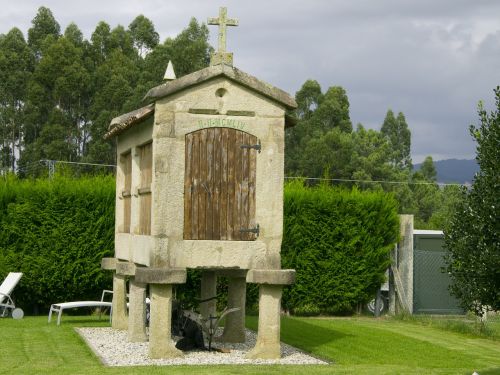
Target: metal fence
<point>430,283</point>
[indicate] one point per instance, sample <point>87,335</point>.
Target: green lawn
<point>354,345</point>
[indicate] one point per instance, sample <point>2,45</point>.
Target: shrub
<point>56,232</point>
<point>338,241</point>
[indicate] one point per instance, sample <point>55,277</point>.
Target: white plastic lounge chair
<point>6,303</point>
<point>59,307</point>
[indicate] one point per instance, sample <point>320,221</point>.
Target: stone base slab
<point>161,275</point>
<point>271,277</point>
<point>125,268</point>
<point>108,264</point>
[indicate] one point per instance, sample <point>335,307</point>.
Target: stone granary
<point>199,185</point>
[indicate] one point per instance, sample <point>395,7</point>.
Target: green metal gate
<point>430,284</point>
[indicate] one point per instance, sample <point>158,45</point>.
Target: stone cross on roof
<point>221,56</point>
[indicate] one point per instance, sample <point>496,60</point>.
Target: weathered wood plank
<point>145,214</point>
<point>238,177</point>
<point>188,183</point>
<point>203,188</point>
<point>223,204</point>
<point>216,184</point>
<point>146,169</point>
<point>126,214</point>
<point>146,164</point>
<point>252,171</point>
<point>231,184</point>
<point>210,180</point>
<point>243,211</point>
<point>195,177</point>
<point>127,173</point>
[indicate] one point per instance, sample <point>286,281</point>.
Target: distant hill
<point>454,170</point>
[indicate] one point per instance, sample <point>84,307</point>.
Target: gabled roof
<point>221,70</point>
<point>127,120</point>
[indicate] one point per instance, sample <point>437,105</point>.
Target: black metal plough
<point>192,326</point>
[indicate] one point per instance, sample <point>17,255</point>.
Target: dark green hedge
<point>56,232</point>
<point>339,243</point>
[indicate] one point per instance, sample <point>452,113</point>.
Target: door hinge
<point>257,147</point>
<point>255,230</point>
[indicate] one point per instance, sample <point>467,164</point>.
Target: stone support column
<point>234,327</point>
<point>268,337</point>
<point>270,283</point>
<point>160,335</point>
<point>137,312</point>
<point>160,282</point>
<point>119,317</point>
<point>208,290</point>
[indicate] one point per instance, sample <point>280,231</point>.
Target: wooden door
<point>219,185</point>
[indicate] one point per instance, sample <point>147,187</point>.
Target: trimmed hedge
<point>56,232</point>
<point>339,242</point>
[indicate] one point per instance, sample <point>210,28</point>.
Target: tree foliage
<point>396,130</point>
<point>323,145</point>
<point>473,234</point>
<point>143,34</point>
<point>58,93</point>
<point>44,25</point>
<point>16,67</point>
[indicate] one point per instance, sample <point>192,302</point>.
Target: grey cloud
<point>432,60</point>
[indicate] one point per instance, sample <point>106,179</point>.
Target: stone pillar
<point>234,327</point>
<point>392,294</point>
<point>268,337</point>
<point>208,290</point>
<point>137,312</point>
<point>402,268</point>
<point>270,287</point>
<point>119,317</point>
<point>160,335</point>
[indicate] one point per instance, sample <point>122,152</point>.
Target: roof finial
<point>169,73</point>
<point>221,56</point>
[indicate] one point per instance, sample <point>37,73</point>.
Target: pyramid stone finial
<point>221,56</point>
<point>169,73</point>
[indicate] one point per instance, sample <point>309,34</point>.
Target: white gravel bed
<point>112,347</point>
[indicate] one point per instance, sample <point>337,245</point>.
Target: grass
<point>462,324</point>
<point>355,345</point>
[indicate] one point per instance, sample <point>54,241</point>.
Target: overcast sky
<point>433,60</point>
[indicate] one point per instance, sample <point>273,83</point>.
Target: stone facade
<point>219,96</point>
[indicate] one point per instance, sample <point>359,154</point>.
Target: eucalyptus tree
<point>16,67</point>
<point>143,34</point>
<point>398,133</point>
<point>43,25</point>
